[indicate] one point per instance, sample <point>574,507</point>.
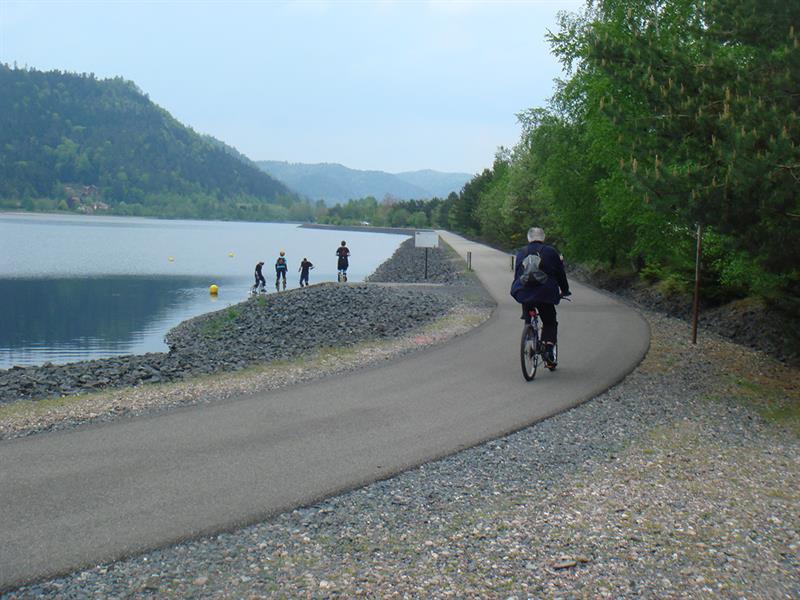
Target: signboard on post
<point>426,239</point>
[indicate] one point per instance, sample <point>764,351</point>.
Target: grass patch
<point>773,402</point>
<point>218,323</point>
<point>37,407</point>
<point>787,415</point>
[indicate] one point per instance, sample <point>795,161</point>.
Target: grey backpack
<point>532,273</point>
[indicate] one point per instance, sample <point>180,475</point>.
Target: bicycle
<point>532,350</point>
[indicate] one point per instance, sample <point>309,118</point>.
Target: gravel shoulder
<point>680,482</point>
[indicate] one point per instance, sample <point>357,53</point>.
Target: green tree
<point>399,217</point>
<point>698,93</point>
<point>419,220</point>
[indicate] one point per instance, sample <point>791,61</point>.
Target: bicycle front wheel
<point>528,355</point>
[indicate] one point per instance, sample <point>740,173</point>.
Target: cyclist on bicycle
<point>541,295</point>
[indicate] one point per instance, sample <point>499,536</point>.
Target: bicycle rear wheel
<point>528,352</point>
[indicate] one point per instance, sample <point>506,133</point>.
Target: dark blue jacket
<point>550,291</point>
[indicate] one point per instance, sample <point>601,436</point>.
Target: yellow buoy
<point>213,289</point>
<point>171,259</point>
<point>230,254</point>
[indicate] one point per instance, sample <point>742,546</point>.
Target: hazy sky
<point>392,86</point>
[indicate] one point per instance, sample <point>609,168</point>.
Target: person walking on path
<point>305,265</point>
<point>281,267</point>
<point>542,295</point>
<point>341,265</point>
<point>260,283</point>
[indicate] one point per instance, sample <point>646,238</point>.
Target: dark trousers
<point>547,313</point>
<point>303,278</point>
<point>278,275</point>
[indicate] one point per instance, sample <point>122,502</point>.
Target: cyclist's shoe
<point>549,357</point>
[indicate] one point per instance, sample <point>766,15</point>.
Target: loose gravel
<point>673,484</point>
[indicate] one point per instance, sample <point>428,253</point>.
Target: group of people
<point>282,266</point>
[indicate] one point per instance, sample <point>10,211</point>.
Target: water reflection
<point>61,320</point>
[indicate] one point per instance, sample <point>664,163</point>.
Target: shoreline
<point>137,321</point>
<point>211,355</point>
<point>360,228</point>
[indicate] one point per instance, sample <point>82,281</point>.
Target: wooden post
<point>512,262</point>
<point>469,260</point>
<point>426,262</point>
<point>696,300</point>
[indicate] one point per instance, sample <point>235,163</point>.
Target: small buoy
<point>171,259</point>
<point>213,289</point>
<point>230,254</point>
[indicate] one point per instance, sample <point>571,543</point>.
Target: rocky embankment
<point>262,329</point>
<point>408,265</point>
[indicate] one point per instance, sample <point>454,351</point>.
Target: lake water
<point>81,287</point>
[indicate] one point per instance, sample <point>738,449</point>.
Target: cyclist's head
<point>344,243</point>
<point>535,234</point>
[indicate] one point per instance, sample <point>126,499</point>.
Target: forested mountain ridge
<point>336,183</point>
<point>60,132</point>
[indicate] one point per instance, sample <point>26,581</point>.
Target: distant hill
<point>76,142</point>
<point>336,183</point>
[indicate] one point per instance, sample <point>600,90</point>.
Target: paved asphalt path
<point>76,498</point>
